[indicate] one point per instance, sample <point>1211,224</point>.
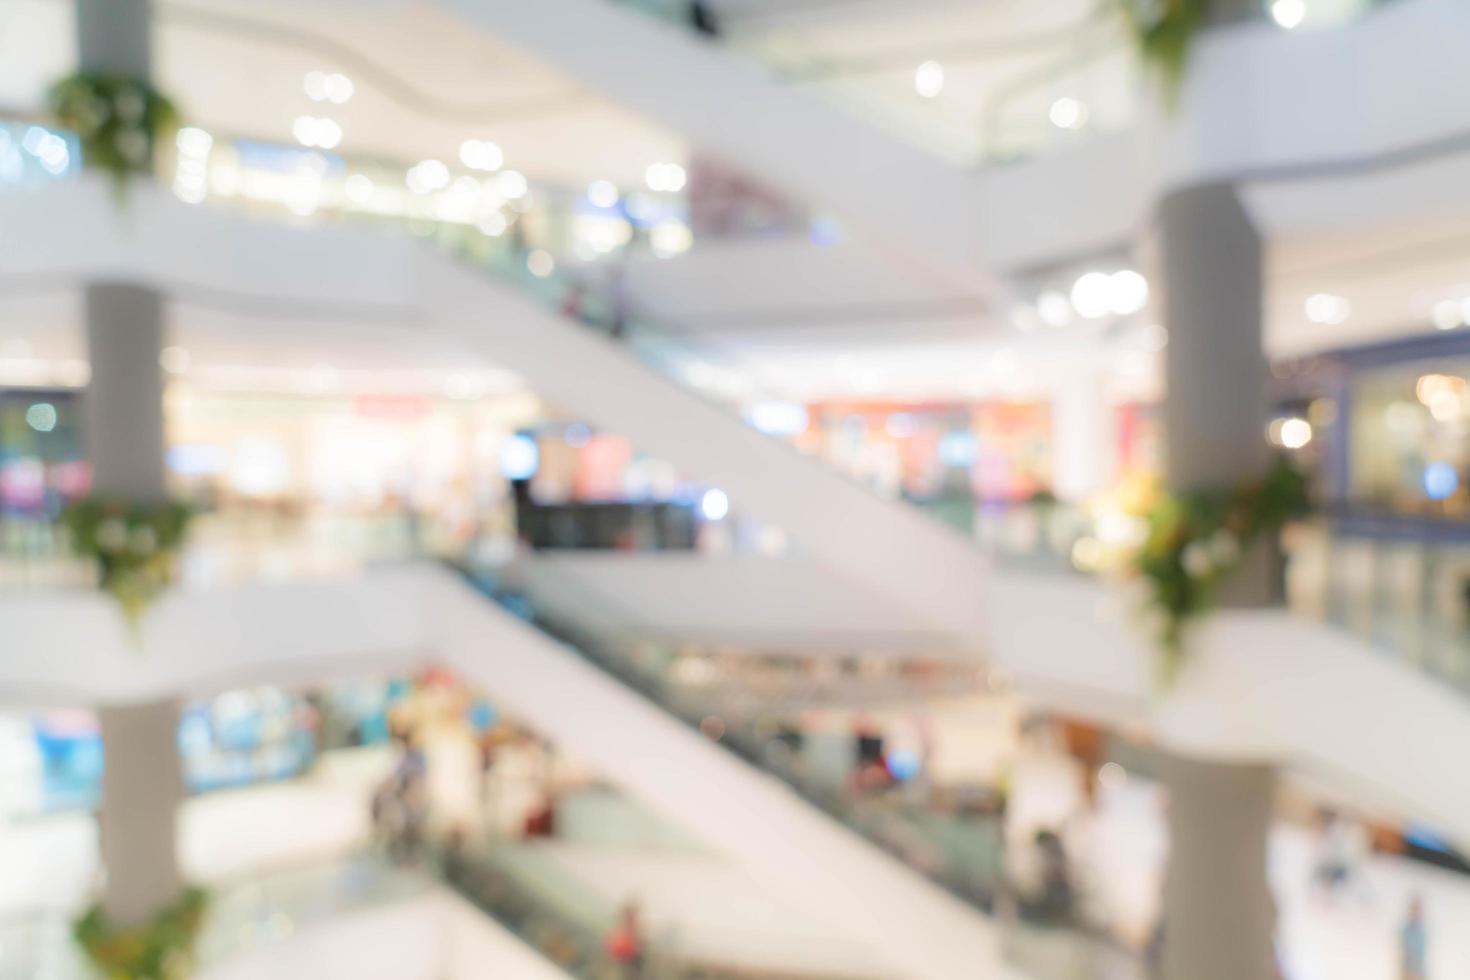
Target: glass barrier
<point>246,914</point>
<point>981,100</point>
<point>1402,585</point>
<point>557,915</point>
<point>957,844</point>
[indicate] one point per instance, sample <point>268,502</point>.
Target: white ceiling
<point>846,320</point>
<point>424,83</point>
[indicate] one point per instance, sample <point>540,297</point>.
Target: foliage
<point>1196,540</point>
<point>161,949</point>
<point>133,545</point>
<point>1164,32</point>
<point>120,121</point>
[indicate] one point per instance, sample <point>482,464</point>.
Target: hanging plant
<point>1195,541</point>
<point>1164,33</point>
<point>134,547</point>
<point>161,949</point>
<point>120,122</point>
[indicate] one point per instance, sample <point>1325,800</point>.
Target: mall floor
<point>51,863</point>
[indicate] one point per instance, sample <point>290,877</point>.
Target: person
<point>541,820</point>
<point>572,302</point>
<point>625,942</point>
<point>487,749</point>
<point>1344,843</point>
<point>617,293</point>
<point>870,770</point>
<point>1055,900</point>
<point>702,19</point>
<point>1414,943</point>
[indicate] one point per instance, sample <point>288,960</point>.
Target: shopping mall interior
<point>734,489</point>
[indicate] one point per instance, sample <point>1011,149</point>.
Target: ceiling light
<point>328,134</point>
<point>1327,309</point>
<point>427,175</point>
<point>1068,113</point>
<point>1054,309</point>
<point>311,131</point>
<point>339,88</point>
<point>1128,292</point>
<point>1092,295</point>
<point>1288,14</point>
<point>1447,315</point>
<point>929,79</point>
<point>315,85</point>
<point>1295,433</point>
<point>603,193</point>
<point>667,177</point>
<point>714,505</point>
<point>511,184</point>
<point>481,155</point>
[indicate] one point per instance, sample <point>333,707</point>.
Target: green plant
<point>133,544</point>
<point>1164,32</point>
<point>160,949</point>
<point>1195,542</point>
<point>119,121</point>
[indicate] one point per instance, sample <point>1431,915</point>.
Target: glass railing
<point>1025,94</point>
<point>558,915</point>
<point>246,914</point>
<point>1402,584</point>
<point>956,843</point>
<point>226,548</point>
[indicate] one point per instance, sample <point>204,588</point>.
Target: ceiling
<point>847,319</point>
<point>423,83</point>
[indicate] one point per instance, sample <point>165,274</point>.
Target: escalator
<point>951,860</point>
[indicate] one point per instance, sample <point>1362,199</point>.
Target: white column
<point>1084,433</point>
<point>114,37</point>
<point>1218,912</point>
<point>123,404</point>
<point>142,781</point>
<point>1218,917</point>
<point>142,787</point>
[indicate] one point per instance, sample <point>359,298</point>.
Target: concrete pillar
<point>142,780</point>
<point>114,37</point>
<point>142,787</point>
<point>1214,363</point>
<point>1218,912</point>
<point>1084,434</point>
<point>123,406</point>
<point>1218,915</point>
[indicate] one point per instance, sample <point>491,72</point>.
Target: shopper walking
<point>1414,943</point>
